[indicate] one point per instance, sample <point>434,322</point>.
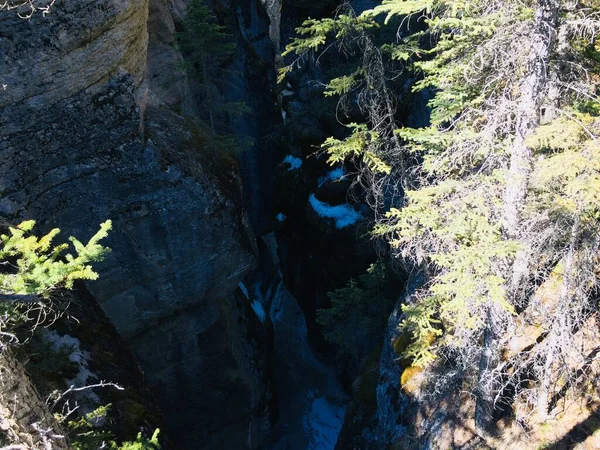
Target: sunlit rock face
<point>80,45</point>
<point>86,135</point>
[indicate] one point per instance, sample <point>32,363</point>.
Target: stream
<point>310,397</point>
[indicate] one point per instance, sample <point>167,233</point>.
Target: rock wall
<point>252,80</point>
<point>76,349</point>
<point>24,417</point>
<point>90,129</point>
<point>167,87</point>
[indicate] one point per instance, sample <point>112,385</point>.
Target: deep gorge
<point>196,285</point>
<point>259,292</point>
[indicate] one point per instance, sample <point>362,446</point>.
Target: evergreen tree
<point>357,315</point>
<point>208,48</point>
<point>40,267</point>
<point>502,214</point>
<point>33,268</point>
<point>88,436</point>
<point>372,146</point>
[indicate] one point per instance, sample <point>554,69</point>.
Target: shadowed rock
<point>84,137</point>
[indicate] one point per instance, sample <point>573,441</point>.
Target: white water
<point>310,397</point>
<point>312,401</point>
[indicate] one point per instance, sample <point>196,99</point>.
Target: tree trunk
<point>486,388</point>
<point>562,326</point>
<point>532,93</point>
<point>544,390</point>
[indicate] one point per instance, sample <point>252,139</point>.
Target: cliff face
<point>252,80</point>
<point>90,129</point>
<point>23,415</point>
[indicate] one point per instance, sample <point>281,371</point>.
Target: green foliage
<point>34,266</point>
<point>343,85</point>
<point>455,226</point>
<point>408,51</point>
<point>84,430</point>
<point>204,35</point>
<point>453,222</point>
<point>142,443</point>
<point>566,180</point>
<point>314,33</point>
<point>41,267</point>
<point>393,8</point>
<point>362,91</point>
<point>504,188</point>
<point>208,47</point>
<point>88,434</point>
<point>358,312</point>
<point>361,144</point>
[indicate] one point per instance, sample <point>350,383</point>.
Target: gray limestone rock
<point>89,131</point>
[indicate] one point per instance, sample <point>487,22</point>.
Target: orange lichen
<point>410,380</point>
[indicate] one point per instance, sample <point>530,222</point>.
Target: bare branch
<point>83,388</point>
<point>27,8</point>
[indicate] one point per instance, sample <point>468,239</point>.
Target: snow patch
<point>76,355</point>
<point>281,217</point>
<point>294,162</point>
<point>323,423</point>
<point>333,175</point>
<point>344,215</point>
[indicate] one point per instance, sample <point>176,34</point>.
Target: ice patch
<point>294,162</point>
<point>323,423</point>
<point>244,290</point>
<point>281,217</point>
<point>336,174</point>
<point>333,175</point>
<point>256,304</point>
<point>344,215</point>
<point>259,310</point>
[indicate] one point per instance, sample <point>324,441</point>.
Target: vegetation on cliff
<point>495,202</point>
<point>34,271</point>
<point>208,48</point>
<point>33,267</point>
<point>356,320</point>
